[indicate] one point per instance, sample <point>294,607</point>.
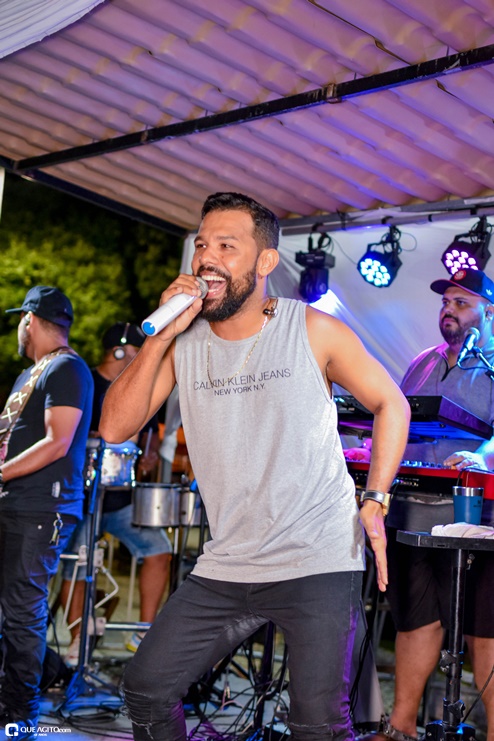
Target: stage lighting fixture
<point>314,279</point>
<point>473,254</point>
<point>379,267</point>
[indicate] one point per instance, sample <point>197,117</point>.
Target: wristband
<point>383,498</point>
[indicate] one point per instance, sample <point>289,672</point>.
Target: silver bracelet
<point>383,498</point>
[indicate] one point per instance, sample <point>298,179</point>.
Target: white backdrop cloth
<point>23,22</point>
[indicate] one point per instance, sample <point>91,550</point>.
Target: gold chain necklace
<point>230,378</point>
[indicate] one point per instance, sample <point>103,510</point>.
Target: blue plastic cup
<point>467,501</point>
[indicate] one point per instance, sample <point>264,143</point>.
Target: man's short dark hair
<point>266,225</point>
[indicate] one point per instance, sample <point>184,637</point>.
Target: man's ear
<point>267,261</point>
<point>489,312</point>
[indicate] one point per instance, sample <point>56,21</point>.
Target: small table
<point>451,726</point>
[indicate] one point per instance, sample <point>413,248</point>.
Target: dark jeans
<point>27,562</point>
<point>205,620</point>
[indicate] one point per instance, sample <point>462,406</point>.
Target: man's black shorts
<point>420,582</point>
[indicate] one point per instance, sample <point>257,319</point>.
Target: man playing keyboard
<point>419,578</point>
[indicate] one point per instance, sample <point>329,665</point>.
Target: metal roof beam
<point>394,215</point>
<point>333,93</point>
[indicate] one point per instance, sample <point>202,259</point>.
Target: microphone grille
<point>475,332</point>
<point>205,288</point>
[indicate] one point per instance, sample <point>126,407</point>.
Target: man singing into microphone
<point>254,375</point>
<point>419,578</point>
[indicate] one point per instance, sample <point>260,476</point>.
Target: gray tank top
<point>266,454</point>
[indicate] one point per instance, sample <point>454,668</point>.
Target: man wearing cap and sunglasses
<point>43,432</point>
<point>419,578</point>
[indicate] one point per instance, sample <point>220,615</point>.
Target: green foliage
<point>112,269</point>
<point>153,275</point>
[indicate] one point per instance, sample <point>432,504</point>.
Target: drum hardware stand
<point>81,560</point>
<point>179,553</point>
<point>79,684</point>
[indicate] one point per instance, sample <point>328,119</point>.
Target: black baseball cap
<point>472,281</point>
<point>49,303</point>
<point>123,333</point>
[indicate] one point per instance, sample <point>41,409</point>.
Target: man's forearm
<point>131,398</point>
<point>389,438</point>
<point>33,459</point>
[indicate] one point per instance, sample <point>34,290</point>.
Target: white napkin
<point>463,530</point>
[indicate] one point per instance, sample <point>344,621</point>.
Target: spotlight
<point>379,268</point>
<point>314,279</point>
<point>473,254</point>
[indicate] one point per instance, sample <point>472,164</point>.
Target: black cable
<point>50,680</point>
<point>479,695</point>
<point>240,727</point>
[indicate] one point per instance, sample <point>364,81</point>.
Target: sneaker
<point>134,642</point>
<point>71,658</point>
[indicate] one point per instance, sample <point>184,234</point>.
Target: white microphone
<point>472,337</point>
<point>167,312</point>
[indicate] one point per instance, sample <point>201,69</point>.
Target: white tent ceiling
<point>314,108</point>
<point>23,22</point>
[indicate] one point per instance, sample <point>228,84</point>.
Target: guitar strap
<point>18,400</point>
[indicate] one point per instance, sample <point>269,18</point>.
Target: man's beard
<point>233,299</point>
<point>22,345</point>
<point>455,334</point>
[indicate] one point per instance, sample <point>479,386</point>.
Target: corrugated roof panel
<point>176,52</point>
<point>470,87</point>
<point>428,134</point>
<point>456,23</point>
<point>485,8</point>
<point>187,150</point>
<point>146,75</point>
<point>131,194</point>
<point>349,45</point>
<point>383,143</point>
<point>349,179</point>
<point>392,28</point>
<point>254,28</point>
